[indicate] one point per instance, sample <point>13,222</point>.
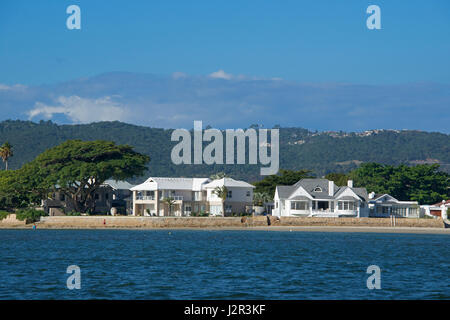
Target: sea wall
<point>11,222</point>
<point>223,222</point>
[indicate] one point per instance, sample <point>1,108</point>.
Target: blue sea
<point>190,264</point>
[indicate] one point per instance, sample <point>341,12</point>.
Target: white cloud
<point>81,110</point>
<point>228,76</point>
<point>221,75</point>
<point>179,75</point>
<point>14,87</point>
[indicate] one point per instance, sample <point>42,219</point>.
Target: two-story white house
<point>320,198</point>
<point>239,196</point>
<point>189,195</point>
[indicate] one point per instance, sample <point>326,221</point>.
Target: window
<point>299,205</point>
<point>248,193</point>
<point>317,189</point>
<point>106,196</point>
<point>346,205</point>
<point>97,196</point>
<point>276,204</point>
<point>62,197</point>
<point>399,211</point>
<point>229,194</point>
<point>228,208</point>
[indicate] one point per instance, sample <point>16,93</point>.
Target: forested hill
<point>321,152</point>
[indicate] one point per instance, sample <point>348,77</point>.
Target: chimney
<point>371,195</point>
<point>330,188</point>
<point>350,183</point>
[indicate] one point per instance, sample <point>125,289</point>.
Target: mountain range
<point>322,152</point>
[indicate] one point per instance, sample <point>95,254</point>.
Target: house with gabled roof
<point>320,198</point>
<point>385,205</point>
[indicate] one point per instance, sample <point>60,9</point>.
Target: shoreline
<point>344,229</point>
<point>258,223</point>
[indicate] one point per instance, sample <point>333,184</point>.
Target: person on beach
<point>34,226</point>
<point>268,220</point>
<point>104,222</point>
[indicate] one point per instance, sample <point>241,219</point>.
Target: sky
<point>313,64</point>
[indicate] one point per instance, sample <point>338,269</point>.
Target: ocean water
<point>189,264</point>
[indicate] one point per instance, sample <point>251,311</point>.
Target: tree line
<point>77,168</point>
<point>322,153</point>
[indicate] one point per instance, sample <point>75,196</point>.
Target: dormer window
<point>317,189</point>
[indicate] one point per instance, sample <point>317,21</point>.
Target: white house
<point>239,196</point>
<point>384,205</point>
<point>320,198</point>
<point>189,195</point>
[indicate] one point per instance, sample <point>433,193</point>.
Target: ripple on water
<point>195,264</point>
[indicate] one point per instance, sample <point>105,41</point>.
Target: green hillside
<point>321,152</point>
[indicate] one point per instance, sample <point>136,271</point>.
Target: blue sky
<point>300,42</point>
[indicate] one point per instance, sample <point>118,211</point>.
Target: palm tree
<point>170,203</point>
<point>6,153</point>
<point>221,192</point>
<point>259,198</point>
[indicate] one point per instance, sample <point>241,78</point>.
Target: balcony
<point>145,197</point>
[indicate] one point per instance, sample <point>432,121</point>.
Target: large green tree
<point>13,193</point>
<point>422,183</point>
<point>78,168</point>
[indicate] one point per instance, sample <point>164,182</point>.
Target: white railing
<point>145,197</point>
<point>173,197</point>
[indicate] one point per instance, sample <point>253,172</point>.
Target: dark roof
<point>311,184</point>
<point>285,191</point>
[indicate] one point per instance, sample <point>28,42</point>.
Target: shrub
<point>73,213</point>
<point>30,215</point>
<point>4,214</point>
